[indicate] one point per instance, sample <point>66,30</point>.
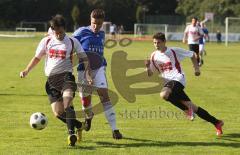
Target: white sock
<point>110,114</point>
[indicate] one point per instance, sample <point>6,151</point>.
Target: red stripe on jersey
<point>48,40</point>
<point>154,64</point>
<point>71,54</point>
<point>177,64</point>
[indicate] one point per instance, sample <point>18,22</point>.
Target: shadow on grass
<point>22,94</point>
<point>152,143</point>
<point>234,137</point>
<point>81,147</point>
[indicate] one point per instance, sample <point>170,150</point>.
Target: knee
<point>68,93</point>
<point>104,98</point>
<point>164,95</point>
<point>57,113</point>
<point>103,95</point>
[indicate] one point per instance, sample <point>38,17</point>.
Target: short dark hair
<point>196,18</point>
<point>159,36</point>
<point>58,21</point>
<point>98,14</point>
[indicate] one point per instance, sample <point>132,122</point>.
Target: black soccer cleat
<point>117,135</point>
<point>72,140</point>
<point>87,124</point>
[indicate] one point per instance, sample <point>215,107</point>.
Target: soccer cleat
<point>202,61</point>
<point>190,114</point>
<point>87,124</point>
<point>218,127</point>
<point>79,131</point>
<point>117,135</point>
<point>72,140</point>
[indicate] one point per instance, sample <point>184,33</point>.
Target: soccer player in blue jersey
<point>202,42</point>
<point>92,40</point>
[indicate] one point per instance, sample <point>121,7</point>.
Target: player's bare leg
<point>109,112</point>
<point>167,95</point>
<point>202,113</point>
<point>58,110</point>
<point>191,109</point>
<point>87,108</point>
<point>85,91</point>
<point>198,57</point>
<point>70,116</point>
<point>201,51</point>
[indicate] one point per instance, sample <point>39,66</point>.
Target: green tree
<point>139,14</point>
<point>75,16</point>
<point>220,8</point>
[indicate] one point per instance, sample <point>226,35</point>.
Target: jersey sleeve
<point>206,31</point>
<point>182,53</point>
<point>41,49</point>
<point>78,33</point>
<point>186,29</point>
<point>77,46</point>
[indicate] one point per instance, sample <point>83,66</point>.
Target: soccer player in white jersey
<point>166,61</point>
<point>92,40</point>
<point>60,86</point>
<point>192,34</point>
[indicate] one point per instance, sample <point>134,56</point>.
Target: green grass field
<point>168,132</point>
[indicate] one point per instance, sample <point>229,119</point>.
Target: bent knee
<point>164,95</point>
<point>57,113</point>
<point>68,93</point>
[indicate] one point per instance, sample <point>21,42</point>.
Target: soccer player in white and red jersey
<point>60,86</point>
<point>166,61</point>
<point>192,34</point>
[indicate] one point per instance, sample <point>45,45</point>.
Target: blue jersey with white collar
<point>91,42</point>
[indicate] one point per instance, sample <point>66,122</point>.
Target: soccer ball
<point>38,121</point>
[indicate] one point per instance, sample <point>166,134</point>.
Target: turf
<point>149,124</point>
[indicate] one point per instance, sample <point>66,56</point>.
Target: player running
<point>192,34</point>
<point>202,42</point>
<point>166,61</point>
<point>92,40</point>
<point>60,86</point>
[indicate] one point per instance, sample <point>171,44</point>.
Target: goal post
<point>40,26</point>
<point>141,30</point>
<point>235,28</point>
<point>20,32</point>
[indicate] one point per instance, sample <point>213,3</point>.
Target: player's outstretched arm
<point>147,64</point>
<point>29,67</point>
<point>88,71</point>
<point>195,65</point>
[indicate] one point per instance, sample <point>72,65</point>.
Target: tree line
<point>120,12</point>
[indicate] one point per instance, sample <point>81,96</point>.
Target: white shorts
<point>201,48</point>
<point>99,80</point>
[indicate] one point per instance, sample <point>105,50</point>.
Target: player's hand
<point>23,74</point>
<point>89,77</point>
<point>147,62</point>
